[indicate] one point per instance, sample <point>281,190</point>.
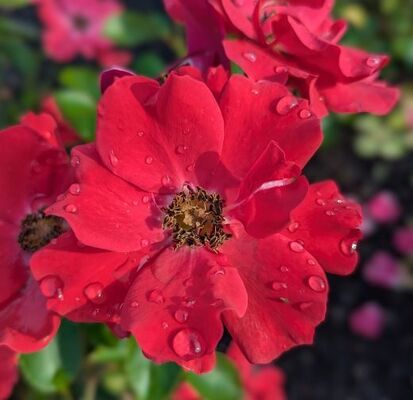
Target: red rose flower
<point>183,213</point>
<point>8,371</point>
<point>266,383</point>
<point>73,28</point>
<point>294,42</point>
<point>33,170</point>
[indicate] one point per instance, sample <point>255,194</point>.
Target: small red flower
<point>294,42</point>
<point>191,213</point>
<point>8,371</point>
<point>33,170</point>
<point>266,383</point>
<point>73,28</point>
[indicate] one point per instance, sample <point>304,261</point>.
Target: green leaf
<point>14,3</point>
<point>222,383</point>
<point>79,109</point>
<point>83,79</point>
<point>132,28</point>
<point>149,64</point>
<point>41,368</point>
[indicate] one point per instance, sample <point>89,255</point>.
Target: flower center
<point>80,23</point>
<point>195,218</point>
<point>38,229</point>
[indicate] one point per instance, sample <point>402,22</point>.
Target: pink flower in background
<point>74,27</point>
<point>384,207</point>
<point>403,240</point>
<point>368,321</point>
<point>383,270</point>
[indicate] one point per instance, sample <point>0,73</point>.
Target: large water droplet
<point>94,292</point>
<point>113,159</point>
<point>249,56</point>
<point>305,114</point>
<point>348,247</point>
<point>181,149</point>
<point>296,247</point>
<point>188,344</point>
<point>181,315</point>
<point>317,283</point>
<point>51,286</point>
<point>74,189</point>
<point>286,104</point>
<point>148,160</point>
<point>279,285</point>
<point>71,208</point>
<point>155,296</point>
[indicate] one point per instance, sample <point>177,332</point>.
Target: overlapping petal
<point>8,371</point>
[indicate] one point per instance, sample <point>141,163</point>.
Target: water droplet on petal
<point>190,167</point>
<point>317,283</point>
<point>181,315</point>
<point>296,247</point>
<point>75,161</point>
<point>134,304</point>
<point>284,268</point>
<point>144,242</point>
<point>255,91</point>
<point>181,149</point>
<point>94,292</point>
<point>373,62</point>
<point>145,199</point>
<point>74,189</point>
<point>330,213</point>
<point>141,133</point>
<point>113,159</point>
<point>305,305</point>
<point>281,69</point>
<point>279,285</point>
<point>348,247</point>
<point>188,344</point>
<point>286,104</point>
<point>51,286</point>
<point>165,325</point>
<point>149,160</point>
<point>310,261</point>
<point>252,57</point>
<point>320,202</point>
<point>188,302</point>
<point>71,208</point>
<point>293,227</point>
<point>155,296</point>
<point>166,180</point>
<point>305,114</point>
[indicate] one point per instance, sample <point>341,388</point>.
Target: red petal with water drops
<point>155,144</point>
<point>25,323</point>
<point>287,296</point>
<point>8,371</point>
<point>106,212</point>
<point>270,191</point>
<point>176,317</point>
<point>372,97</point>
<point>82,283</point>
<point>256,113</point>
<point>328,224</point>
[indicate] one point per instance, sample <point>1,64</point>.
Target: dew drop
<point>113,159</point>
<point>188,302</point>
<point>94,292</point>
<point>141,133</point>
<point>251,57</point>
<point>190,167</point>
<point>144,242</point>
<point>317,283</point>
<point>330,213</point>
<point>51,286</point>
<point>305,305</point>
<point>75,161</point>
<point>373,62</point>
<point>74,189</point>
<point>320,202</point>
<point>305,114</point>
<point>149,160</point>
<point>279,285</point>
<point>181,149</point>
<point>296,247</point>
<point>187,344</point>
<point>286,104</point>
<point>293,227</point>
<point>284,268</point>
<point>165,325</point>
<point>181,315</point>
<point>71,208</point>
<point>255,91</point>
<point>145,199</point>
<point>310,261</point>
<point>348,247</point>
<point>155,296</point>
<point>166,180</point>
<point>134,304</point>
<point>281,69</point>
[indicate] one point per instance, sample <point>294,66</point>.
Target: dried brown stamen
<point>195,218</point>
